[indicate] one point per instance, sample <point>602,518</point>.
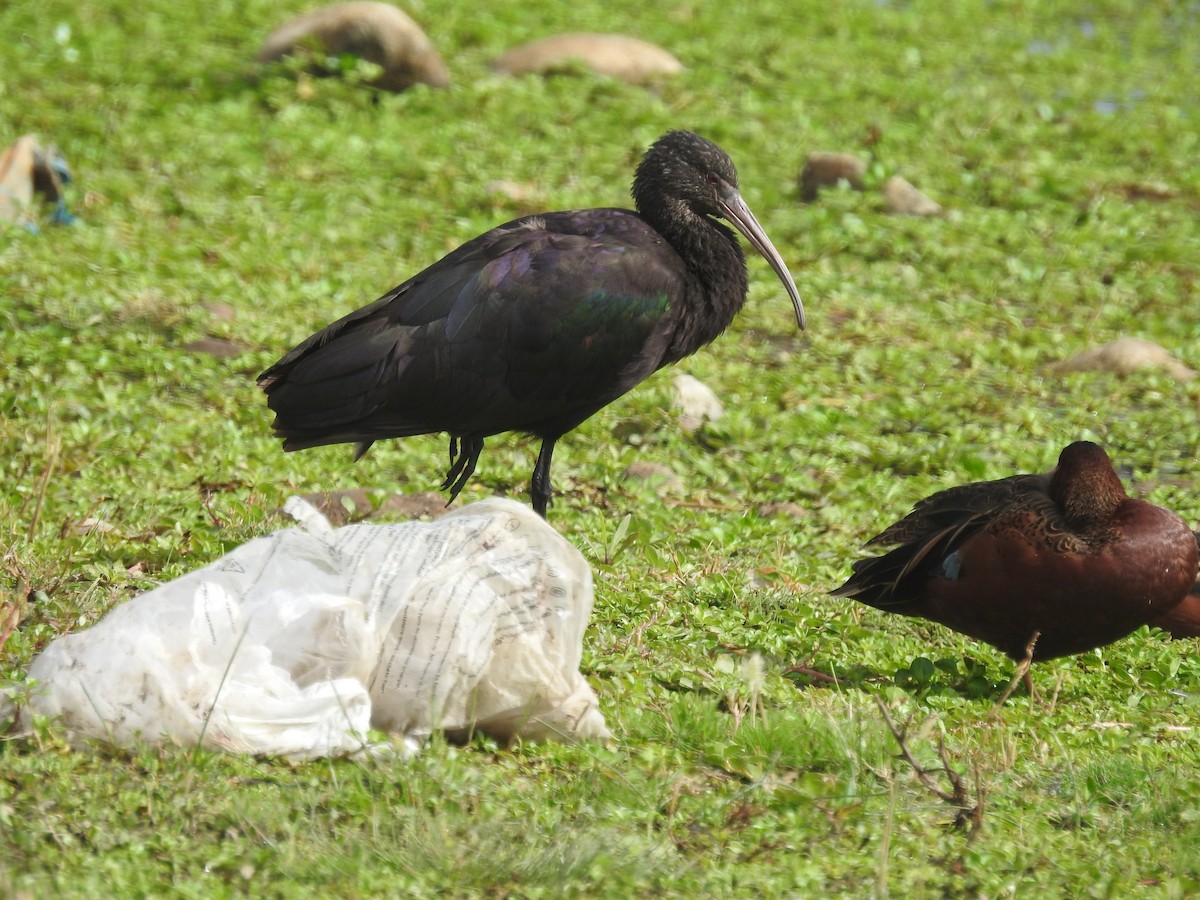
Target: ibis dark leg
<point>539,487</point>
<point>464,454</point>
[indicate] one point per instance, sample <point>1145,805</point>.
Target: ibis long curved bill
<point>735,210</point>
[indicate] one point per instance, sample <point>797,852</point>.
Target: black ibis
<point>535,325</point>
<point>1038,566</point>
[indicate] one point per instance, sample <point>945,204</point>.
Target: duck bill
<point>735,210</point>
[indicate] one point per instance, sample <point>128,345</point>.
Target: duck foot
<point>1022,674</point>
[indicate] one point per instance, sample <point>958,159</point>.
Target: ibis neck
<point>716,279</point>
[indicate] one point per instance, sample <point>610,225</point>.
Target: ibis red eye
<point>713,178</point>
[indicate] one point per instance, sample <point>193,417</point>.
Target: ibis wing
<point>532,326</point>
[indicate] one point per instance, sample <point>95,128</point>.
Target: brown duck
<point>1184,620</point>
<point>1038,566</point>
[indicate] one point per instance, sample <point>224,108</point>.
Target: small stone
<point>1154,192</point>
<point>616,56</point>
<point>222,312</point>
<point>377,32</point>
<point>662,478</point>
<point>696,403</point>
<point>353,504</point>
<point>92,525</point>
<point>783,508</point>
<point>1125,356</point>
<point>512,191</point>
<point>423,504</point>
<point>902,199</point>
<point>218,347</point>
<point>824,169</point>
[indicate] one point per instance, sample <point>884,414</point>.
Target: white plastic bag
<point>296,643</point>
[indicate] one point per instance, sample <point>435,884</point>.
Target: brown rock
<point>340,507</point>
<point>902,199</point>
<point>823,169</point>
<point>91,525</point>
<point>378,32</point>
<point>218,347</point>
<point>513,191</point>
<point>220,311</point>
<point>1124,356</point>
<point>626,58</point>
<point>1152,191</point>
<point>660,477</point>
<point>783,508</point>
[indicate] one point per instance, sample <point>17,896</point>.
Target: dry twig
<point>967,813</point>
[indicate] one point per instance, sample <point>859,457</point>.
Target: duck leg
<point>1022,673</point>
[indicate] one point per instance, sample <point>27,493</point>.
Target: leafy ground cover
<point>216,201</point>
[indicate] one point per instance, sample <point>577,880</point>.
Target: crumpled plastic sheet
<point>297,643</point>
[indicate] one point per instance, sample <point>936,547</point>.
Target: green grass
<point>925,365</point>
